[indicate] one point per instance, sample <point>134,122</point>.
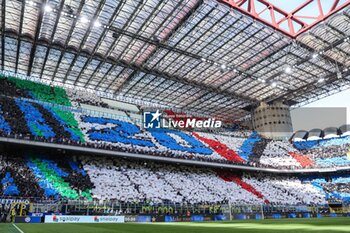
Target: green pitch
<point>325,225</point>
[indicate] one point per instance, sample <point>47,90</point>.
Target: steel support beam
<point>36,37</point>
<point>138,68</point>
<point>290,20</point>
<point>20,32</point>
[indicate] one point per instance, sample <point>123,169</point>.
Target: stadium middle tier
<point>54,176</point>
<point>52,114</point>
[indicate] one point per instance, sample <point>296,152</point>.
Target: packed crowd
<point>276,154</point>
<point>105,178</point>
<point>326,152</point>
<point>29,176</point>
<point>17,179</point>
<point>22,117</point>
<point>82,97</point>
<point>76,130</point>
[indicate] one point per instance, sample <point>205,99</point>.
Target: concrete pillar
<point>273,121</point>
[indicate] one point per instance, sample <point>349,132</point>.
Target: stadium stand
<point>312,144</point>
<point>37,176</point>
<point>173,112</point>
<point>101,178</point>
<point>83,97</point>
<point>52,114</point>
<point>276,153</point>
<point>325,152</point>
<point>17,178</point>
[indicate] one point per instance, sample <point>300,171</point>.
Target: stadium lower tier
<point>40,112</point>
<point>31,174</point>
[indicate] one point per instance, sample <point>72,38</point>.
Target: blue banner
<point>197,218</point>
<point>144,219</point>
<point>220,217</point>
<point>28,219</point>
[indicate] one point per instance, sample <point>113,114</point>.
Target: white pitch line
<point>17,228</point>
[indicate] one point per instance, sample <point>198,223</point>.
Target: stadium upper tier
<point>51,114</point>
<point>32,174</point>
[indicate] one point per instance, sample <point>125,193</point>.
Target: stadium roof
<point>204,56</point>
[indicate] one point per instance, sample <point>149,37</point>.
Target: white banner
<point>83,219</point>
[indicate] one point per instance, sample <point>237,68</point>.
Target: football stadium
<point>159,116</point>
